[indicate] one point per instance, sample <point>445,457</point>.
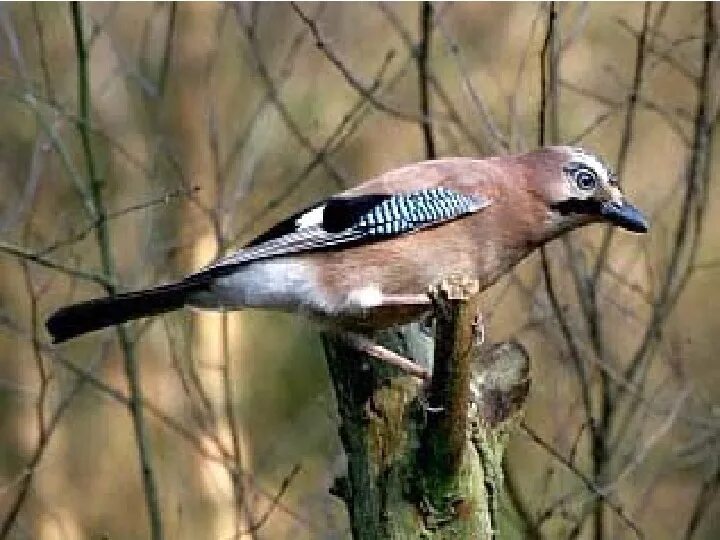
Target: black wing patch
<point>285,227</point>
<point>350,220</point>
<point>338,214</point>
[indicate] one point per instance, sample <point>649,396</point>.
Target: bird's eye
<point>585,179</point>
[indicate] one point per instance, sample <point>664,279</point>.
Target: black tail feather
<point>77,319</point>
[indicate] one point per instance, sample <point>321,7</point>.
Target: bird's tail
<point>77,319</point>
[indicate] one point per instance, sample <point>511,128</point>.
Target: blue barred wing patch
<point>406,212</point>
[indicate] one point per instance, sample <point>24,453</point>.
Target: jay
<point>365,258</point>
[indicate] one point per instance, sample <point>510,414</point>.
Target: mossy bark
<point>424,460</point>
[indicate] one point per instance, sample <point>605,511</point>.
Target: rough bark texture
<point>425,461</point>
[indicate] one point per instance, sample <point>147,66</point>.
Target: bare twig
<point>680,65</point>
<point>640,455</point>
<point>350,122</point>
<point>633,97</point>
<point>442,94</point>
<point>86,376</point>
<point>250,33</point>
<point>232,421</point>
<point>24,254</point>
<point>286,69</point>
<point>168,49</point>
<point>587,482</point>
<point>692,210</point>
<point>422,58</point>
<point>548,84</point>
<point>352,80</point>
<point>44,66</point>
<point>83,233</point>
<point>497,141</point>
<point>103,240</point>
<point>284,485</point>
<point>706,496</point>
<point>627,134</point>
<point>687,235</point>
<point>516,140</point>
<point>200,404</point>
<point>45,429</point>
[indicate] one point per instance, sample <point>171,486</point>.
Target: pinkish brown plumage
<point>367,256</point>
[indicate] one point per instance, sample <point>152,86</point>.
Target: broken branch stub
<point>445,435</point>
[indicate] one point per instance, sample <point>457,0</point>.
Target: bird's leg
<point>369,347</point>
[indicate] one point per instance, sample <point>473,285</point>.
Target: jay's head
<point>578,188</point>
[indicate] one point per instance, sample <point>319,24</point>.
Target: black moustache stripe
<point>578,206</point>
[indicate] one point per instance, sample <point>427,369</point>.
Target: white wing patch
<point>313,218</point>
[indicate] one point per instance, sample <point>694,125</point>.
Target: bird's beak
<point>625,215</point>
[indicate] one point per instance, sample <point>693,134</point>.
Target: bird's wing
<point>345,221</point>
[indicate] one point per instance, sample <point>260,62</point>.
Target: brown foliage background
<point>209,122</point>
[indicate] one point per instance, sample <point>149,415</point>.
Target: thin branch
<point>548,87</point>
<point>32,185</point>
<point>84,375</point>
<point>587,482</point>
<point>497,140</point>
<point>681,66</point>
<point>285,484</point>
<point>83,233</point>
<point>250,33</point>
<point>45,430</point>
<point>165,419</point>
<point>167,50</point>
<point>42,47</point>
<point>516,140</point>
<point>422,58</point>
<point>24,254</point>
<point>640,455</point>
<point>615,105</point>
<point>547,57</point>
<point>598,121</point>
<point>350,122</point>
<point>632,99</point>
<point>185,433</point>
<point>690,223</point>
<point>200,404</point>
<point>627,133</point>
<point>454,116</point>
<point>232,421</point>
<point>712,264</point>
<point>353,81</point>
<point>567,333</point>
<point>45,435</point>
<point>707,495</point>
<point>103,239</point>
<point>687,233</point>
<point>286,69</point>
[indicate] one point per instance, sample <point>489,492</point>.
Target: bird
<point>364,259</point>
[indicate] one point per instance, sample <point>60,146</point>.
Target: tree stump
<point>424,460</point>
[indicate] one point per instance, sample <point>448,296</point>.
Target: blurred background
<point>139,141</point>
